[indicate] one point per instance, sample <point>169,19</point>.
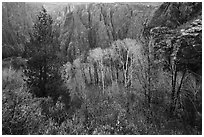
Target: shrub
<point>11,78</point>
<point>20,113</point>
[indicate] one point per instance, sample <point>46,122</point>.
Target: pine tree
<point>41,54</point>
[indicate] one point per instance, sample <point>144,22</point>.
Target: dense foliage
<point>42,61</point>
<point>177,48</point>
<point>149,84</point>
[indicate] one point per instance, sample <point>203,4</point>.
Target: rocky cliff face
<point>178,26</point>
<point>87,26</point>
<point>78,26</point>
<point>174,14</point>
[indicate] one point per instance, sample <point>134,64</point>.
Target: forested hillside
<point>79,27</point>
<point>102,68</point>
<point>17,21</point>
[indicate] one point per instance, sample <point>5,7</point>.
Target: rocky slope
<point>78,26</point>
<point>174,14</point>
<point>87,26</point>
<point>178,25</point>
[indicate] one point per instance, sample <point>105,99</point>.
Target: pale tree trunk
<point>112,72</point>
<point>173,91</point>
<point>102,74</point>
<point>131,73</point>
<point>126,69</point>
<point>90,74</point>
<point>148,77</point>
<point>149,74</point>
<point>123,72</point>
<point>116,75</point>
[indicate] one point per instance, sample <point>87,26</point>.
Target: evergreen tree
<point>41,55</point>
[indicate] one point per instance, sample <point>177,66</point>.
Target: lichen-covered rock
<point>183,41</point>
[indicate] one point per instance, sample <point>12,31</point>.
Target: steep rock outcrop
<point>176,28</point>
<point>88,26</point>
<point>174,14</point>
<point>78,27</point>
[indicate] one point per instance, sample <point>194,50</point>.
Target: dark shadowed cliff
<point>178,24</point>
